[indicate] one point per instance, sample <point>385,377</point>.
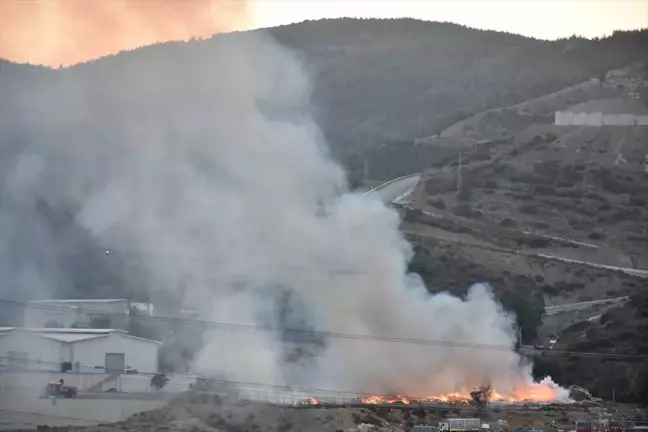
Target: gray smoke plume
<point>205,160</point>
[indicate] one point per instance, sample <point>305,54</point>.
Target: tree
<point>481,396</point>
<point>159,380</point>
<point>644,391</point>
<point>528,312</point>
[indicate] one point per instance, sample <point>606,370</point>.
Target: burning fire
<point>542,392</point>
<point>379,400</point>
<point>538,393</point>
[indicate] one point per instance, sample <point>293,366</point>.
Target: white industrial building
<point>605,112</point>
<point>81,351</point>
<point>81,313</point>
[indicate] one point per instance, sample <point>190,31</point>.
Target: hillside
<point>379,80</point>
<point>376,81</point>
<point>622,331</point>
<point>523,174</point>
<point>373,80</point>
<point>546,210</point>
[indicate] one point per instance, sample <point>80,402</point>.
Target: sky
<point>64,32</point>
<point>544,19</point>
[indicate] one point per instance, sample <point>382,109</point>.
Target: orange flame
<point>542,392</point>
<point>377,400</point>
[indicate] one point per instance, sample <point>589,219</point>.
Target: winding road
<point>397,190</point>
<point>553,310</point>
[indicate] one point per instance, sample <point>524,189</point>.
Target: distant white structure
<point>76,350</point>
<point>114,313</point>
<point>144,309</point>
<point>605,112</point>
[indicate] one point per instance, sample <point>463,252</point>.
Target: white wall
<point>42,353</point>
<point>594,119</point>
<point>619,119</point>
<point>140,354</point>
<point>566,118</point>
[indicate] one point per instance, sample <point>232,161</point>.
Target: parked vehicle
<point>59,389</point>
<point>591,426</point>
<point>462,425</point>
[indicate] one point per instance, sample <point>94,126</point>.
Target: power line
<point>175,256</point>
<point>348,336</point>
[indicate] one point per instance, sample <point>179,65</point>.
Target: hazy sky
<point>56,32</point>
<point>545,19</point>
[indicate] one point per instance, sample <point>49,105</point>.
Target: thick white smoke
<point>207,159</point>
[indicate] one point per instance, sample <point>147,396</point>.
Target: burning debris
<point>543,393</point>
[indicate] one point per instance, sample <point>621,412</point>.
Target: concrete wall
<point>41,353</point>
<point>33,381</point>
<point>567,118</point>
<point>135,383</point>
<point>139,353</point>
<point>23,411</point>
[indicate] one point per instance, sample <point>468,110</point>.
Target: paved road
<point>552,310</point>
<point>630,271</point>
<point>397,190</point>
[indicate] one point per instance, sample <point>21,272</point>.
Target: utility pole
<point>366,169</point>
<point>459,179</point>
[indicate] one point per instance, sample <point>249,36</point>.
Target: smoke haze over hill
<point>65,32</point>
<point>221,178</point>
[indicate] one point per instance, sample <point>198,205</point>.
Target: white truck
<point>463,425</point>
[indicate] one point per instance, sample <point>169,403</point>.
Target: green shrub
<point>465,194</point>
<point>507,222</point>
<point>528,209</point>
<point>544,190</point>
<point>595,235</point>
<point>463,210</point>
<point>538,242</point>
<point>438,203</point>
